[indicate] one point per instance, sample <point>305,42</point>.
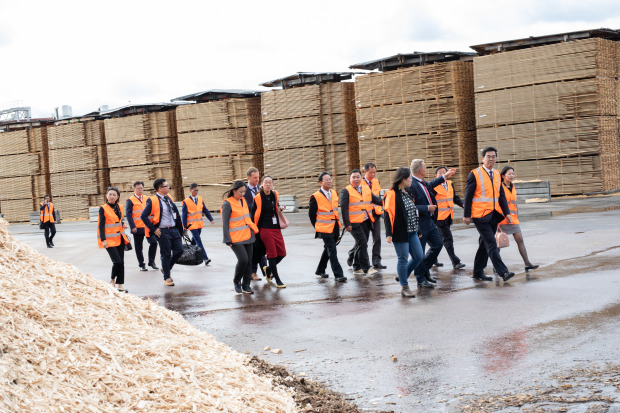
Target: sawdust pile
<point>71,343</point>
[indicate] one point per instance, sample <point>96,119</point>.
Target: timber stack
<point>143,147</point>
<point>309,127</point>
<point>418,105</point>
<point>24,174</point>
<point>550,105</point>
<point>77,166</point>
<point>219,140</point>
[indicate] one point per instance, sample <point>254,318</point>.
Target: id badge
<point>174,215</point>
<point>274,220</point>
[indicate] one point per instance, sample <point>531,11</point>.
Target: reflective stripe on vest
<point>360,205</point>
<point>511,198</point>
<point>376,190</point>
<point>483,188</point>
<point>113,228</point>
<point>486,199</point>
<point>240,224</point>
<point>47,215</point>
<point>327,212</point>
<point>445,201</point>
<point>194,212</point>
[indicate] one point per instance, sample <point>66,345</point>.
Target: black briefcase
<point>192,254</point>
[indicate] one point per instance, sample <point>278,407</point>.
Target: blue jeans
<point>405,265</point>
<point>197,241</point>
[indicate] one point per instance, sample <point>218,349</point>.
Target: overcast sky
<point>87,54</point>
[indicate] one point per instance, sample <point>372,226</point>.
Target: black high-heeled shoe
<point>531,267</point>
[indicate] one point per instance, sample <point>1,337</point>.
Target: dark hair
<point>355,171</point>
<point>440,167</point>
<point>251,170</point>
<point>138,183</point>
<point>194,185</point>
<point>47,195</point>
<point>399,176</point>
<point>236,185</point>
<point>158,183</point>
<point>322,174</point>
<point>369,165</point>
<point>267,176</point>
<point>489,149</point>
<point>115,189</point>
<point>505,170</point>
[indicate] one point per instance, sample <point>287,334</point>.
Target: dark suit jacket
<point>421,201</point>
<point>249,197</point>
<point>470,190</point>
<point>147,211</point>
<point>344,205</point>
<point>313,207</point>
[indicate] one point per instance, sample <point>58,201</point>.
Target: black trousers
<point>375,229</point>
<point>487,246</point>
<point>50,231</point>
<point>448,241</point>
<point>330,254</point>
<point>359,252</point>
<point>138,239</point>
<point>433,239</point>
<point>170,249</point>
<point>117,255</point>
<point>243,269</point>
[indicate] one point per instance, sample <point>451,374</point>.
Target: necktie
<point>491,175</point>
<point>445,186</point>
<point>359,189</point>
<point>430,201</point>
<point>369,183</point>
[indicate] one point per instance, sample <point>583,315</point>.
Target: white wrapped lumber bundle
<point>74,344</point>
<point>550,107</point>
<point>422,112</point>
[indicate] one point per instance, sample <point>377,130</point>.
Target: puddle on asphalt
<point>584,210</point>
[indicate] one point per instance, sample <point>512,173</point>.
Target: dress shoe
<point>169,282</point>
<point>482,277</point>
<point>341,279</point>
<point>406,292</point>
<point>397,279</point>
<point>322,274</point>
<point>438,264</point>
<point>246,289</point>
<point>153,265</point>
<point>143,268</point>
<point>49,246</point>
<point>458,266</point>
<point>430,279</point>
<point>238,289</point>
<point>379,267</point>
<point>52,243</point>
<point>371,271</point>
<point>531,267</point>
<point>349,261</point>
<point>207,261</point>
<point>425,284</point>
<point>508,276</point>
<point>358,271</point>
<point>255,277</point>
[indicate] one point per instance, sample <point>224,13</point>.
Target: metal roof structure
<point>411,59</point>
<point>6,126</point>
<point>133,109</point>
<point>533,41</point>
<point>309,78</point>
<point>218,94</point>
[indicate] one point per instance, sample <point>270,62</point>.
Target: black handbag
<point>192,254</point>
<point>41,225</point>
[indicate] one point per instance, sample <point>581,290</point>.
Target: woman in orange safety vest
<point>111,235</point>
<point>508,175</point>
<point>239,232</point>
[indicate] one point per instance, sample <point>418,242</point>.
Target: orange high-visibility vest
<point>155,210</point>
<point>136,211</point>
<point>511,197</point>
<point>113,228</point>
<point>445,201</point>
<point>327,212</point>
<point>359,204</point>
<point>194,212</point>
<point>47,214</point>
<point>240,224</point>
<point>486,196</point>
<point>376,189</point>
<point>389,204</point>
<point>258,201</point>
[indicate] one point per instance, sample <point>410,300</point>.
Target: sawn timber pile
<point>71,343</point>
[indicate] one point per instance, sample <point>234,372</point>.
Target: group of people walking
<point>416,212</point>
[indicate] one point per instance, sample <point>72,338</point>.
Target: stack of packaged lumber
<point>424,111</point>
<point>552,112</point>
<point>77,166</point>
<point>23,172</point>
<point>143,148</point>
<point>218,142</point>
<point>307,130</point>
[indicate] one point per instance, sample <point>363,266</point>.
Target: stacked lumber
<point>78,167</point>
<point>424,112</point>
<point>143,148</point>
<point>23,172</point>
<point>552,112</point>
<point>218,142</point>
<point>307,130</point>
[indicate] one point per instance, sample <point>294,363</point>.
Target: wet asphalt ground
<point>463,339</point>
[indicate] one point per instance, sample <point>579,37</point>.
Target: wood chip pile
<point>307,130</point>
<point>218,142</point>
<point>71,343</point>
<point>78,167</point>
<point>23,172</point>
<point>143,148</point>
<point>552,112</point>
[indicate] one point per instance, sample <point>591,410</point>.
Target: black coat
<point>399,231</point>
